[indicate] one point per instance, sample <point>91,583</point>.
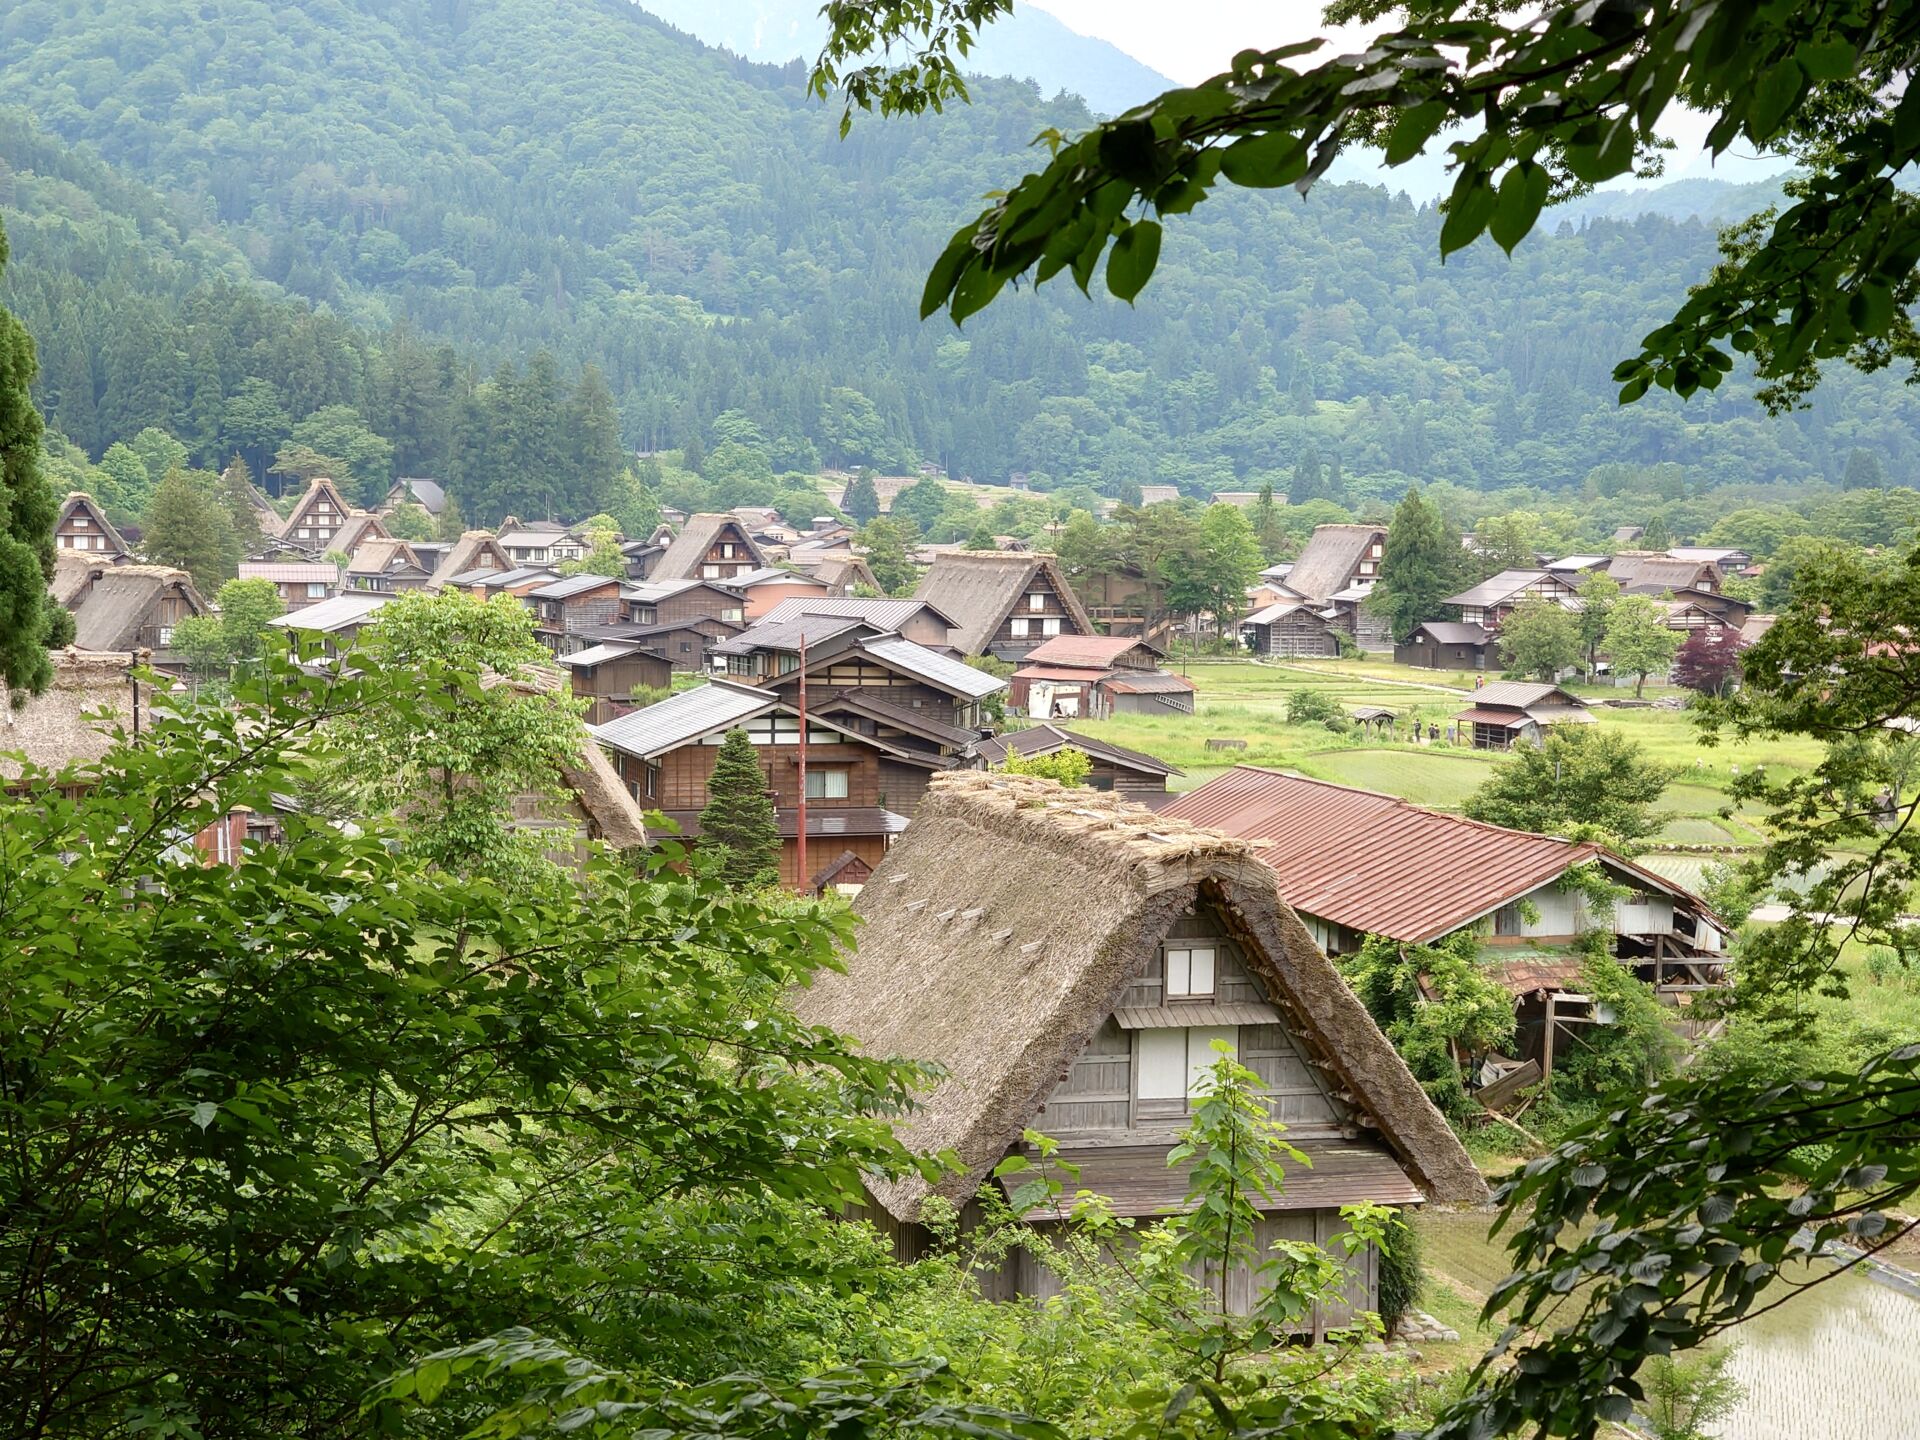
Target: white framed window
<point>1378,550</point>
<point>1050,625</point>
<point>1036,602</point>
<point>1190,971</point>
<point>826,784</point>
<point>316,589</point>
<point>79,522</point>
<point>166,636</point>
<point>1174,1064</point>
<point>734,613</point>
<point>1366,567</point>
<point>726,551</point>
<point>710,572</point>
<point>1019,625</point>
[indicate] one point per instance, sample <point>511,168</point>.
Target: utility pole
<point>801,855</point>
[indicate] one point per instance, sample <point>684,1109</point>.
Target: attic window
<point>1036,602</point>
<point>1190,972</point>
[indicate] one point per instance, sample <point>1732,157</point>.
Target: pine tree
<point>236,493</point>
<point>861,503</point>
<point>187,527</point>
<point>593,435</point>
<point>451,524</point>
<point>1309,482</point>
<point>27,514</point>
<point>739,824</point>
<point>1863,472</point>
<point>1421,566</point>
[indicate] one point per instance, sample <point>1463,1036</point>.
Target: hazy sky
<point>1193,39</point>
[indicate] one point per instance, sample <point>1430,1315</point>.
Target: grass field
<point>1244,700</point>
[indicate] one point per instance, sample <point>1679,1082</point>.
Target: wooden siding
<point>901,786</point>
<point>1052,607</point>
<point>1301,633</point>
<point>1423,650</point>
<point>615,679</point>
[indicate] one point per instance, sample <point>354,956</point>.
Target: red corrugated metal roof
<point>1508,718</point>
<point>1057,672</point>
<point>1087,652</point>
<point>1372,862</point>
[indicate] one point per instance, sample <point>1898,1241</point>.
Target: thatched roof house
<point>1091,1021</point>
<point>124,607</point>
<point>709,547</point>
<point>1003,604</point>
<point>474,550</point>
<point>55,729</point>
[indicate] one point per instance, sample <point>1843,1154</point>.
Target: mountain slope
<point>575,174</point>
<point>1030,44</point>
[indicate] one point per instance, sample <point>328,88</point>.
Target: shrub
<point>1312,707</point>
<point>1885,966</point>
<point>650,694</point>
<point>1400,1274</point>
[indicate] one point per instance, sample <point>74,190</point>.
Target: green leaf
<point>1776,95</point>
<point>1127,149</point>
<point>1523,191</point>
<point>1265,161</point>
<point>204,1113</point>
<point>1134,256</point>
<point>1413,129</point>
<point>1468,210</point>
<point>1827,59</point>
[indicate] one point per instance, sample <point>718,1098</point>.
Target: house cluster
<point>1312,605</point>
<point>1687,583</point>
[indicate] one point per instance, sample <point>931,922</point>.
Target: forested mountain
<point>1030,44</point>
<point>245,191</point>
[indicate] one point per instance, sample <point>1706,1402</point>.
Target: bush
<point>1885,966</point>
<point>650,694</point>
<point>1338,724</point>
<point>1400,1273</point>
<point>1313,707</point>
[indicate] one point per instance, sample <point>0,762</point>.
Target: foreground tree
<point>1423,564</point>
<point>739,826</point>
<point>1599,593</point>
<point>28,616</point>
<point>1584,779</point>
<point>379,1109</point>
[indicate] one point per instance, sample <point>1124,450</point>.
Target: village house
<point>1137,776</point>
<point>1650,573</point>
<point>1517,712</point>
<point>1097,676</point>
<point>1690,610</point>
<point>1116,599</point>
<point>474,554</point>
<point>1429,876</point>
<point>762,590</point>
<point>413,490</point>
<point>1489,603</point>
<point>517,582</point>
<point>709,547</point>
<point>124,607</point>
<point>298,583</point>
<point>83,528</point>
<point>664,753</point>
<point>1336,570</point>
<point>913,620</point>
<point>52,729</point>
<point>321,521</point>
<point>1003,604</point>
<point>643,556</point>
<point>567,608</point>
<point>1448,645</point>
<point>386,566</point>
<point>539,542</point>
<point>1293,628</point>
<point>611,670</point>
<point>336,621</point>
<point>1094,1023</point>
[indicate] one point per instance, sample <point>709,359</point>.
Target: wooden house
<point>764,590</point>
<point>1097,676</point>
<point>1514,712</point>
<point>539,542</point>
<point>1448,645</point>
<point>1336,571</point>
<point>612,669</point>
<point>665,752</point>
<point>1690,610</point>
<point>317,517</point>
<point>1430,875</point>
<point>1094,1022</point>
<point>1643,572</point>
<point>1003,604</point>
<point>517,582</point>
<point>336,621</point>
<point>687,644</point>
<point>474,554</point>
<point>1125,772</point>
<point>298,583</point>
<point>84,529</point>
<point>386,566</point>
<point>413,490</point>
<point>1293,628</point>
<point>913,620</point>
<point>1489,603</point>
<point>119,608</point>
<point>567,608</point>
<point>664,602</point>
<point>709,547</point>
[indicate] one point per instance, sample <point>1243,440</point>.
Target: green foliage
<point>1427,999</point>
<point>1401,1275</point>
<point>1539,640</point>
<point>1635,1046</point>
<point>339,432</point>
<point>738,826</point>
<point>409,522</point>
<point>1069,767</point>
<point>860,501</point>
<point>603,556</point>
<point>1583,779</point>
<point>27,514</point>
<point>393,1108</point>
<point>1424,563</point>
<point>187,526</point>
<point>1599,593</point>
<point>1637,639</point>
<point>888,547</point>
<point>1688,1398</point>
<point>1313,707</point>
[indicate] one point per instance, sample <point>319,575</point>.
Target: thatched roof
<point>53,728</point>
<point>472,551</point>
<point>612,814</point>
<point>1330,558</point>
<point>115,601</point>
<point>968,958</point>
<point>319,488</point>
<point>699,535</point>
<point>79,500</point>
<point>979,589</point>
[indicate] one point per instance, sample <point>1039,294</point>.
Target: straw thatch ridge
<point>97,517</point>
<point>980,588</point>
<point>465,554</point>
<point>113,604</point>
<point>1329,559</point>
<point>62,726</point>
<point>1001,931</point>
<point>699,535</point>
